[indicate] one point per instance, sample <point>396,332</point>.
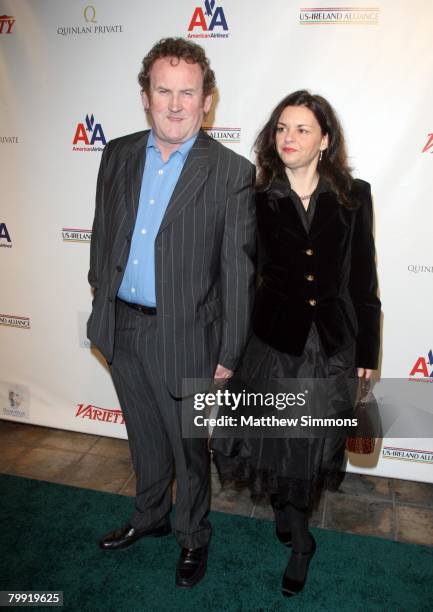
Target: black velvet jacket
<point>326,275</point>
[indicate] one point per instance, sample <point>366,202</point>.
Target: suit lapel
<point>288,216</point>
<point>327,207</point>
<point>282,204</point>
<point>192,177</point>
<point>134,167</point>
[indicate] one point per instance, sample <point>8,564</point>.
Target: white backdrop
<point>62,61</point>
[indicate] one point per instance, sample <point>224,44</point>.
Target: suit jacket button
<point>110,300</point>
<point>119,268</point>
<point>312,302</point>
<point>309,252</point>
<point>309,277</point>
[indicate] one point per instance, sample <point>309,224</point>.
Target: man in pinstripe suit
<point>172,242</point>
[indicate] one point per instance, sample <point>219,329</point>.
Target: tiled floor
<point>367,505</point>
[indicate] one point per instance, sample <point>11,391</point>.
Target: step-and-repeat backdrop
<point>68,84</point>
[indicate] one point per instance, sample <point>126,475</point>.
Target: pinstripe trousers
<point>153,423</point>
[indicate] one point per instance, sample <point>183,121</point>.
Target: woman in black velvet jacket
<point>316,313</point>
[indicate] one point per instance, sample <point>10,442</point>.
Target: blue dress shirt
<point>157,186</point>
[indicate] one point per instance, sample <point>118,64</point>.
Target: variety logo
<point>14,321</point>
<point>15,400</point>
<point>210,23</point>
<point>7,23</point>
<point>422,369</point>
<point>70,234</point>
<point>89,15</point>
<point>419,268</point>
<point>352,15</point>
<point>5,237</point>
<point>8,139</point>
<point>90,135</point>
<point>407,454</point>
<point>429,144</point>
<point>224,134</point>
<point>93,413</point>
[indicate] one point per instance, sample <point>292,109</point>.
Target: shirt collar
<point>183,150</point>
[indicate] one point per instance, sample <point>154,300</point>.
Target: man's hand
<point>222,373</point>
<point>365,373</point>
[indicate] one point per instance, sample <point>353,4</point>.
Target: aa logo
<point>89,135</point>
<point>429,144</point>
<point>203,22</point>
<point>4,234</point>
<point>423,367</point>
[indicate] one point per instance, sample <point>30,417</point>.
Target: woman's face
<point>299,138</point>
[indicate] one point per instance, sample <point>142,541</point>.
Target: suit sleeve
<point>97,240</point>
<point>363,284</point>
<point>236,266</point>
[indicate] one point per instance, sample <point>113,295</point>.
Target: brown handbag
<point>368,426</point>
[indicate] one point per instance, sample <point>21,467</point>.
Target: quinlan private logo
<point>337,15</point>
<point>93,413</point>
<point>420,268</point>
<point>429,144</point>
<point>5,237</point>
<point>422,370</point>
<point>7,23</point>
<point>224,134</point>
<point>93,26</point>
<point>90,135</point>
<point>71,234</point>
<point>211,23</point>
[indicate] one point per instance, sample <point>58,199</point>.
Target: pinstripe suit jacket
<point>203,255</point>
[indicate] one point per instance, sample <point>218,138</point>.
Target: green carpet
<point>48,542</point>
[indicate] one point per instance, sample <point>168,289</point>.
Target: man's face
<point>175,101</point>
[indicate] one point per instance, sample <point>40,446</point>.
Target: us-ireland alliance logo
<point>208,23</point>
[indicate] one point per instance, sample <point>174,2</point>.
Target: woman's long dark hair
<point>333,166</point>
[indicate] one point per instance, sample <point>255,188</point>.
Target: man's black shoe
<point>126,536</point>
<point>191,566</point>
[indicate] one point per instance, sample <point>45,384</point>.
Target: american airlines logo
<point>429,144</point>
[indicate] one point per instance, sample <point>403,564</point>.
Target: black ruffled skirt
<point>292,468</point>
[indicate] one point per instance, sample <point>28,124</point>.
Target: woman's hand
<point>364,373</point>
